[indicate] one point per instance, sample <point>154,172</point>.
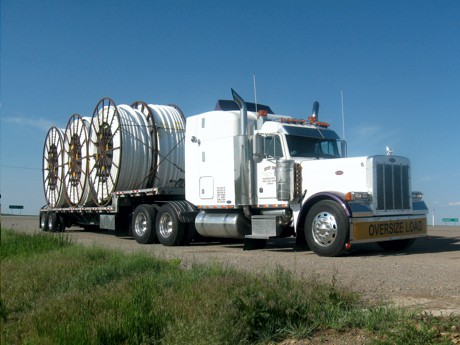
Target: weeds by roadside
<point>53,291</point>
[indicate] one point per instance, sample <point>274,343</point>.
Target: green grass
<point>56,292</point>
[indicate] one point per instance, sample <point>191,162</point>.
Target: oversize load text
<point>368,230</point>
<point>395,228</point>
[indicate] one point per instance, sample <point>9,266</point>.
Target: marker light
<point>322,124</point>
<point>262,113</point>
<point>358,196</point>
<point>417,195</point>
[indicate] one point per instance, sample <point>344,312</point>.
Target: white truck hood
<point>338,175</point>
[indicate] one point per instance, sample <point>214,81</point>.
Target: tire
<point>396,245</point>
<point>327,229</point>
<point>143,223</point>
<point>170,231</point>
<point>44,219</point>
<point>53,222</point>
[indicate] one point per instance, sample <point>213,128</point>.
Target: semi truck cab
<point>257,175</point>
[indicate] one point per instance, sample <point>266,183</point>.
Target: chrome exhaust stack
<point>245,175</point>
<point>314,112</point>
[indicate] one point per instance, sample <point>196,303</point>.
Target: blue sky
<point>397,62</point>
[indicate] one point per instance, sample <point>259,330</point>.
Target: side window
<point>329,149</point>
<point>272,146</point>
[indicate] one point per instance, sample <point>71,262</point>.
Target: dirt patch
<point>353,337</point>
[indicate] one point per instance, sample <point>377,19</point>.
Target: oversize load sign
<point>369,230</point>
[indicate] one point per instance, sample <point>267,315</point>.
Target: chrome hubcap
<point>165,225</point>
<point>324,229</point>
<point>140,225</point>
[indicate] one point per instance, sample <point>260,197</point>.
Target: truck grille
<point>393,189</point>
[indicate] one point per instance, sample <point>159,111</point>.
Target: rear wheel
<point>397,245</point>
<point>53,222</point>
<point>327,229</point>
<point>44,219</point>
<point>143,224</point>
<point>170,231</point>
<point>56,222</point>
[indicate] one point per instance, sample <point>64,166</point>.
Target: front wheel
<point>327,229</point>
<point>170,230</point>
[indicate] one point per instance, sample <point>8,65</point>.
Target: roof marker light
<point>322,124</point>
<point>262,113</point>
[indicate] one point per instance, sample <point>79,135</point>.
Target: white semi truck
<point>239,172</point>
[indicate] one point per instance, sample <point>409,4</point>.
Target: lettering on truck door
<point>266,179</point>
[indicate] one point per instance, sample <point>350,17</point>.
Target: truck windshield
<point>300,146</point>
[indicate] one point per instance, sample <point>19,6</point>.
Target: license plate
<point>370,229</point>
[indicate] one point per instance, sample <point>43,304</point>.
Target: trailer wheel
<point>327,229</point>
<point>170,231</point>
<point>53,222</point>
<point>396,245</point>
<point>143,224</point>
<point>44,219</point>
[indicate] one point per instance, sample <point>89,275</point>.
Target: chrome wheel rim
<point>165,225</point>
<point>140,225</point>
<point>324,229</point>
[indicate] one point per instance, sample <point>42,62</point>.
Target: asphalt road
<point>426,277</point>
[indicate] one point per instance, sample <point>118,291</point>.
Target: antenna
<point>343,116</point>
<point>255,89</point>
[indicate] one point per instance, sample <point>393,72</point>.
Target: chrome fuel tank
<point>226,225</point>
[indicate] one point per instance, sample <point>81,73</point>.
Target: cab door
<point>266,179</point>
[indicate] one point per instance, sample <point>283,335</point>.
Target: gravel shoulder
<point>426,277</point>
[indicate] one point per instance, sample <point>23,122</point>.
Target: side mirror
<point>258,148</point>
<point>343,148</point>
